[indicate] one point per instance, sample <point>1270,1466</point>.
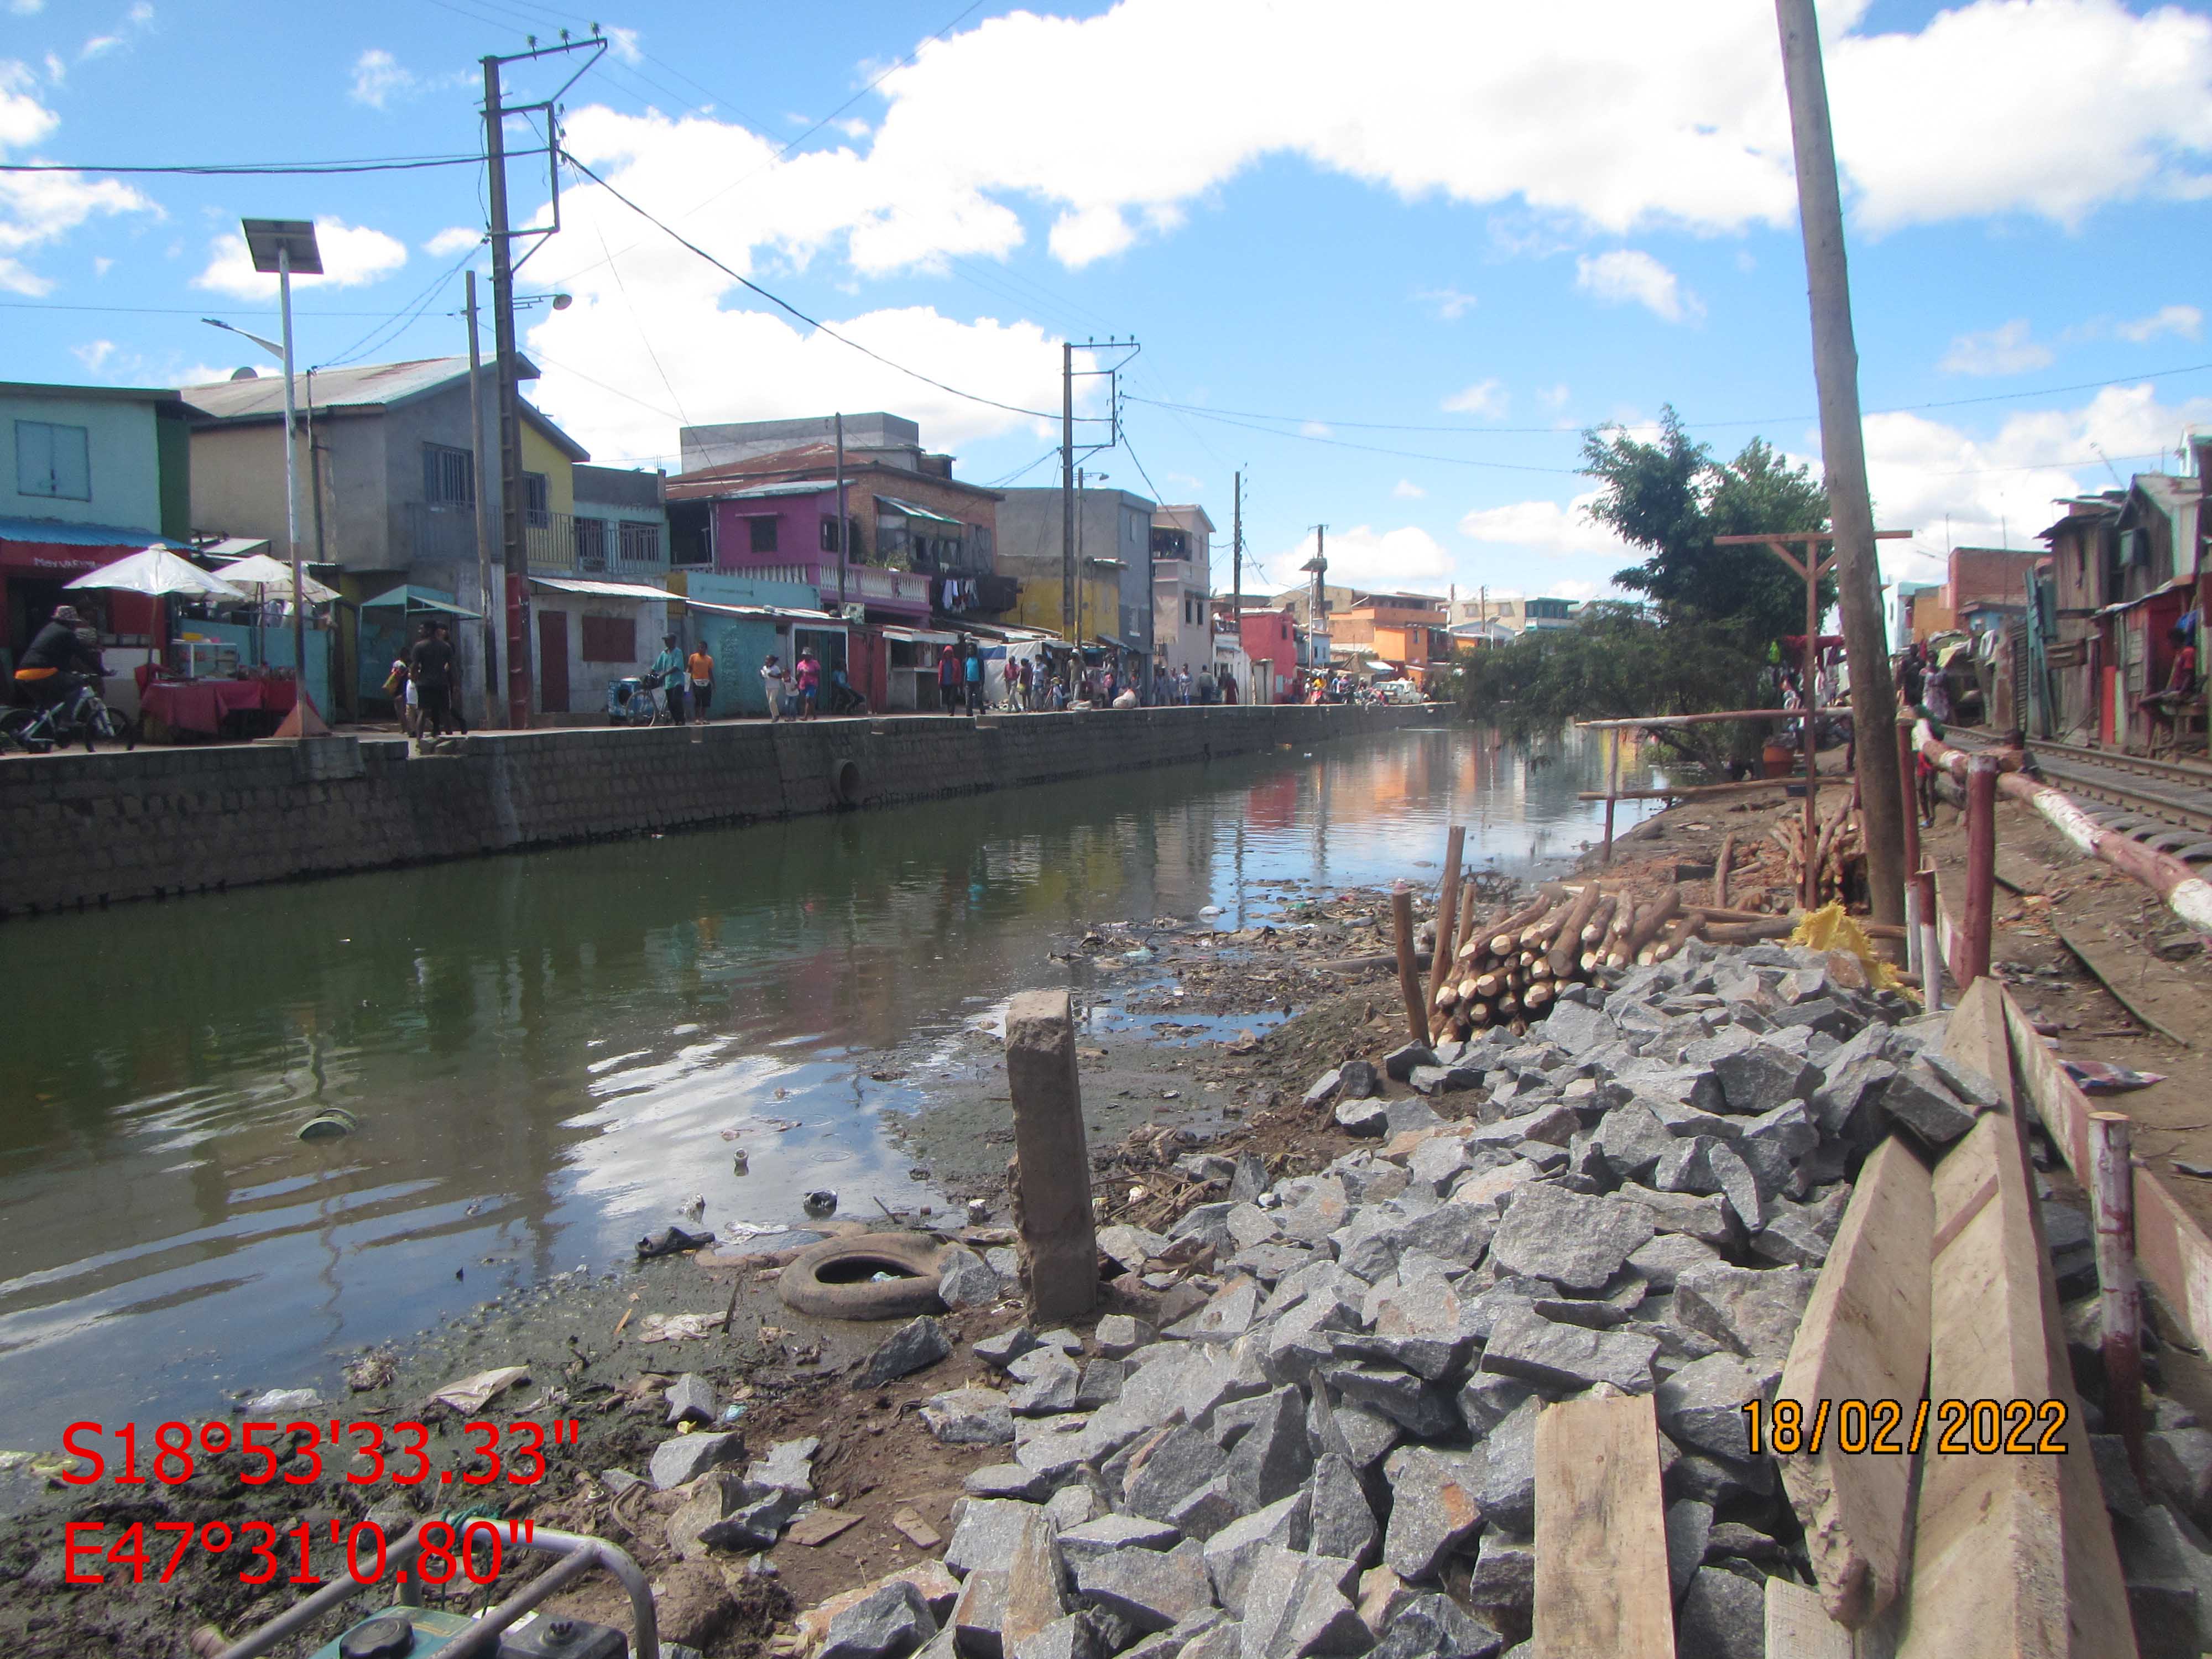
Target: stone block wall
<point>87,830</point>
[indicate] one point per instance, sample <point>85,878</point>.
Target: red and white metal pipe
<point>2187,894</point>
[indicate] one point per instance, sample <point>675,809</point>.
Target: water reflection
<point>549,1052</point>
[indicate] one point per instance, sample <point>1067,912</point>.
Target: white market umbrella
<point>271,579</point>
<point>156,572</point>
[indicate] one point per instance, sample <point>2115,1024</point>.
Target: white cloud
<point>623,43</point>
<point>1485,398</point>
<point>2006,349</point>
<point>1628,276</point>
<point>353,255</point>
<point>1407,489</point>
<point>1451,305</point>
<point>456,239</point>
<point>1316,430</point>
<point>1548,528</point>
<point>2184,320</point>
<point>378,77</point>
<point>27,8</point>
<point>93,353</point>
<point>135,23</point>
<point>101,264</point>
<point>37,208</point>
<point>1555,397</point>
<point>1362,557</point>
<point>1579,116</point>
<point>1924,473</point>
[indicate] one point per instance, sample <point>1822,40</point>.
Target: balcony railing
<point>444,531</point>
<point>863,583</point>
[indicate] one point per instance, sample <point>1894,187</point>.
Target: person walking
<point>949,680</point>
<point>430,672</point>
<point>1228,684</point>
<point>666,676</point>
<point>971,671</point>
<point>701,663</point>
<point>772,684</point>
<point>807,670</point>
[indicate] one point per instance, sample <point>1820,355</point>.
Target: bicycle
<point>80,712</point>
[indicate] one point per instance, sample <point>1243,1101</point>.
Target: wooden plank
<point>1601,1585</point>
<point>2013,1554</point>
<point>1798,1627</point>
<point>1864,1337</point>
<point>1976,1036</point>
<point>2173,1249</point>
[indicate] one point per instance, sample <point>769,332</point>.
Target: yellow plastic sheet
<point>1832,928</point>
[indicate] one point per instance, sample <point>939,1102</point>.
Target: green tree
<point>1671,498</point>
<point>1616,663</point>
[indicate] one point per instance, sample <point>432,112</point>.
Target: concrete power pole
<point>1067,492</point>
<point>1237,562</point>
<point>489,627</point>
<point>511,487</point>
<point>1843,450</point>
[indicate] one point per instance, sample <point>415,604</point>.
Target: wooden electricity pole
<point>1843,451</point>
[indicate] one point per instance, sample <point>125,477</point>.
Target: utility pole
<point>514,555</point>
<point>1067,571</point>
<point>1842,449</point>
<point>512,501</point>
<point>842,527</point>
<point>489,627</point>
<point>1237,560</point>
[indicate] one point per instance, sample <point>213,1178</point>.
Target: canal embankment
<point>97,829</point>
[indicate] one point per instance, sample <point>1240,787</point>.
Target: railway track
<point>2165,805</point>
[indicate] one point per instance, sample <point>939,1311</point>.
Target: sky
<point>1390,260</point>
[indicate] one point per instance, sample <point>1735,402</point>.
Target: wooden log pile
<point>1840,847</point>
<point>1506,965</point>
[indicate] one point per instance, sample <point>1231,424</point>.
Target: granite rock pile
<point>1336,1452</point>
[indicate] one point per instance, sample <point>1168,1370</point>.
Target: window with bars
<point>449,476</point>
<point>829,533</point>
<point>591,544</point>
<point>641,544</point>
<point>538,498</point>
<point>762,534</point>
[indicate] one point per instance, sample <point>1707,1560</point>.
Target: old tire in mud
<point>836,1279</point>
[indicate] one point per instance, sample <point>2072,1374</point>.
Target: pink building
<point>1271,637</point>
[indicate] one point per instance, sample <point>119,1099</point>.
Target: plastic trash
<point>819,1203</point>
<point>2097,1076</point>
<point>283,1400</point>
<point>329,1124</point>
<point>671,1241</point>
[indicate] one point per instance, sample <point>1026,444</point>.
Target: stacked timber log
<point>1839,847</point>
<point>1508,968</point>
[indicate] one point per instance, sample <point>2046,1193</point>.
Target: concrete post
<point>1052,1204</point>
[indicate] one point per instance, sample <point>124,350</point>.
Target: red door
<point>553,661</point>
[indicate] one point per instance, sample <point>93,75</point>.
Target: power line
<point>1023,472</point>
<point>186,311</point>
<point>778,300</point>
<point>1375,449</point>
<point>271,169</point>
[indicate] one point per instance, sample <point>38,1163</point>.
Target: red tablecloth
<point>200,705</point>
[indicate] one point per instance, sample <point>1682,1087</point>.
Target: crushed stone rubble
<point>1333,1454</point>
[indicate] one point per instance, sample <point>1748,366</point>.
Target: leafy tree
<point>1671,498</point>
<point>1616,663</point>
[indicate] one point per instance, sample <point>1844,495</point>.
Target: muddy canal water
<point>545,1052</point>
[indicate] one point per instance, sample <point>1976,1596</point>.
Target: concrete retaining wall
<point>78,830</point>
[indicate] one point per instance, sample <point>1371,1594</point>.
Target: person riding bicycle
<point>64,648</point>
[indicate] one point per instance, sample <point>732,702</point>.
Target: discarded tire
<point>845,783</point>
<point>836,1279</point>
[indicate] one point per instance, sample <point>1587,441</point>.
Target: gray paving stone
<point>1295,1605</point>
<point>688,1456</point>
<point>914,1346</point>
<point>1340,1520</point>
<point>1572,1240</point>
<point>1231,1553</point>
<point>969,1417</point>
<point>890,1623</point>
<point>1433,1508</point>
<point>1689,1524</point>
<point>1527,1346</point>
<point>1153,1589</point>
<point>1721,1617</point>
<point>691,1398</point>
<point>1752,1311</point>
<point>1702,1404</point>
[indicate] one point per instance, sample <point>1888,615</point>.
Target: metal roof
<point>912,510</point>
<point>759,491</point>
<point>56,532</point>
<point>370,386</point>
<point>604,590</point>
<point>119,394</point>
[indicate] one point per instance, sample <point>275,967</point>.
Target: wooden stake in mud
<point>1447,911</point>
<point>1409,975</point>
<point>1721,870</point>
<point>1981,868</point>
<point>2112,1201</point>
<point>1612,791</point>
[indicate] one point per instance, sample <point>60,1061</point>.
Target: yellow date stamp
<point>1961,1428</point>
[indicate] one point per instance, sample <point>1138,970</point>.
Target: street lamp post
<point>282,246</point>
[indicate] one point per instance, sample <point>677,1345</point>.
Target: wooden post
<point>2112,1198</point>
<point>1612,791</point>
<point>1843,438</point>
<point>1981,869</point>
<point>1440,971</point>
<point>1907,768</point>
<point>1409,975</point>
<point>1720,863</point>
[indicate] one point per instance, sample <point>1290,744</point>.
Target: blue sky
<point>1330,226</point>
